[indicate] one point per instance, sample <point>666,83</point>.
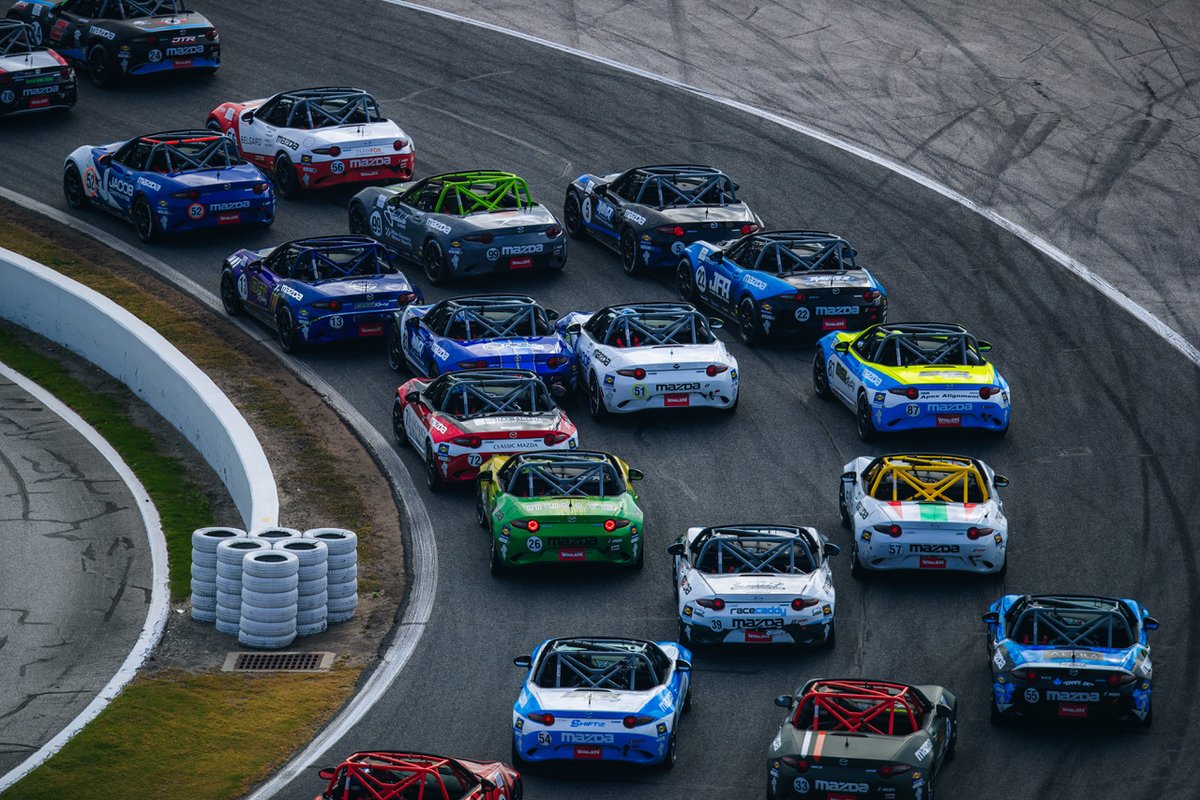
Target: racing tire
<point>395,349</point>
<point>204,574</point>
<point>284,177</point>
<point>596,405</point>
<point>338,540</point>
<point>432,479</point>
<point>255,628</point>
<point>749,329</point>
<point>856,569</point>
<point>434,262</point>
<point>270,565</point>
<point>398,424</point>
<point>342,565</point>
<point>73,189</point>
<point>995,716</point>
<point>516,760</point>
<point>342,590</point>
<point>639,561</point>
<point>204,615</point>
<point>847,522</point>
<point>229,295</point>
<point>572,216</point>
<point>230,586</point>
<point>143,220</point>
<point>820,376</point>
<point>685,286</point>
<point>358,221</point>
<point>314,573</point>
<point>496,563</point>
<point>257,596</point>
<point>629,254</point>
<point>205,589</point>
<point>952,748</point>
<point>866,428</point>
<point>100,68</point>
<point>269,616</point>
<point>518,791</point>
<point>285,331</point>
<point>214,126</point>
<point>481,517</point>
<point>208,540</point>
<point>265,642</point>
<point>672,755</point>
<point>685,635</point>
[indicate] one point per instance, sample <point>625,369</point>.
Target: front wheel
<point>143,220</point>
<point>432,478</point>
<point>229,295</point>
<point>749,329</point>
<point>856,568</point>
<point>820,375</point>
<point>629,255</point>
<point>866,427</point>
<point>685,285</point>
<point>358,221</point>
<point>435,263</point>
<point>395,350</point>
<point>99,67</point>
<point>286,182</point>
<point>73,188</point>
<point>596,405</point>
<point>398,424</point>
<point>214,126</point>
<point>572,216</point>
<point>285,331</point>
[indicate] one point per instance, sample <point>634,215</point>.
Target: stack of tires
<point>311,611</point>
<point>274,535</point>
<point>342,579</point>
<point>204,570</point>
<point>270,580</point>
<point>230,554</point>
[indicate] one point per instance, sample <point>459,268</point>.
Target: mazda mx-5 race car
<point>763,584</point>
<point>392,775</point>
<point>169,183</point>
<point>854,738</point>
<point>602,699</point>
<point>459,420</point>
<point>924,511</point>
<point>782,282</point>
<point>650,355</point>
<point>318,290</point>
<point>1070,657</point>
<point>119,38</point>
<point>650,214</point>
<point>553,508</point>
<point>486,331</point>
<point>463,224</point>
<point>316,138</point>
<point>898,377</point>
<point>32,78</point>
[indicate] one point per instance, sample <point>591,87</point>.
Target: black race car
<point>32,78</point>
<point>861,738</point>
<point>650,214</point>
<point>116,38</point>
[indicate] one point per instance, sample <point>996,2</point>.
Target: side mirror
<point>716,323</point>
<point>832,549</point>
<point>992,618</point>
<point>784,701</point>
<point>551,314</point>
<point>104,160</point>
<point>943,708</point>
<point>849,477</point>
<point>600,189</point>
<point>636,474</point>
<point>486,785</point>
<point>999,481</point>
<point>574,329</point>
<point>327,773</point>
<point>523,661</point>
<point>486,475</point>
<point>842,347</point>
<point>676,548</point>
<point>984,347</point>
<point>716,255</point>
<point>248,116</point>
<point>683,666</point>
<point>412,397</point>
<point>1150,624</point>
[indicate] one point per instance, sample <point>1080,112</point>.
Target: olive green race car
<point>553,507</point>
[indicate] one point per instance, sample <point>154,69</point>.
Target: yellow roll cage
<point>931,479</point>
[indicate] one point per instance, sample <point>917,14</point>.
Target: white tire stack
<point>204,570</point>
<point>269,599</point>
<point>342,578</point>
<point>230,554</point>
<point>311,612</point>
<point>274,535</point>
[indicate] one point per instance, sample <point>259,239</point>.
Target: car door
<point>258,130</point>
<point>603,205</point>
<point>118,174</point>
<point>725,275</point>
<point>417,416</point>
<point>262,277</point>
<point>64,26</point>
<point>841,378</point>
<point>403,221</point>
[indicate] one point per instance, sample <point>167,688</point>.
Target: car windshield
<point>601,665</point>
<point>315,260</point>
<point>648,327</point>
<point>729,552</point>
<point>1070,622</point>
<point>15,39</point>
<point>925,479</point>
<point>496,319</point>
<point>499,394</point>
<point>566,475</point>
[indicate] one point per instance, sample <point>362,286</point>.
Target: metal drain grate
<point>278,662</point>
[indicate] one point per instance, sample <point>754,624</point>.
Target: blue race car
<point>487,331</point>
<point>782,282</point>
<point>913,375</point>
<point>1070,657</point>
<point>601,699</point>
<point>171,182</point>
<point>324,289</point>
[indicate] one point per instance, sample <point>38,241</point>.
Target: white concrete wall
<point>89,324</point>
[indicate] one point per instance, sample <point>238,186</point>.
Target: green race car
<point>560,506</point>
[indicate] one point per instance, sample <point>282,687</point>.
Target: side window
<point>412,196</point>
<point>597,326</point>
<point>134,157</point>
<point>865,346</point>
<point>435,320</point>
<point>278,115</point>
<point>748,258</point>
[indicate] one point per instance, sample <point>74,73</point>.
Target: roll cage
<point>321,107</point>
<point>650,324</point>
<point>386,775</point>
<point>173,152</point>
<point>922,478</point>
<point>916,344</point>
<point>792,252</point>
<point>601,664</point>
<point>563,474</point>
<point>14,38</point>
<point>677,186</point>
<point>330,258</point>
<point>856,706</point>
<point>125,9</point>
<point>746,549</point>
<point>478,393</point>
<point>489,317</point>
<point>1072,622</point>
<point>463,193</point>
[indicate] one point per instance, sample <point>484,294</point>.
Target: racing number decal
<point>587,208</point>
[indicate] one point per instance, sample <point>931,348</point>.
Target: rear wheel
<point>100,67</point>
<point>497,566</point>
<point>143,220</point>
<point>285,330</point>
<point>229,295</point>
<point>820,375</point>
<point>286,182</point>
<point>398,424</point>
<point>358,221</point>
<point>748,326</point>
<point>640,559</point>
<point>395,351</point>
<point>629,255</point>
<point>856,568</point>
<point>432,478</point>
<point>572,216</point>
<point>952,748</point>
<point>73,189</point>
<point>866,427</point>
<point>684,284</point>
<point>672,754</point>
<point>435,263</point>
<point>596,405</point>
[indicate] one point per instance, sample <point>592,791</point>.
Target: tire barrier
<point>342,577</point>
<point>275,534</point>
<point>269,598</point>
<point>230,553</point>
<point>313,555</point>
<point>205,542</point>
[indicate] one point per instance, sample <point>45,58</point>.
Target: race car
<point>650,355</point>
<point>459,420</point>
<point>650,214</point>
<point>32,78</point>
<point>463,224</point>
<point>912,375</point>
<point>169,183</point>
<point>782,282</point>
<point>485,331</point>
<point>554,508</point>
<point>318,290</point>
<point>924,511</point>
<point>1070,657</point>
<point>316,138</point>
<point>119,38</point>
<point>854,738</point>
<point>392,775</point>
<point>754,584</point>
<point>601,699</point>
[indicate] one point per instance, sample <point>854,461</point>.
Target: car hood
<point>38,59</point>
<point>501,423</point>
<point>828,279</point>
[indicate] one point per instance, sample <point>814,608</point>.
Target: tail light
<point>891,530</point>
<point>748,229</point>
<point>482,238</point>
<point>405,299</point>
<point>64,72</point>
<point>545,719</point>
<point>978,533</point>
<point>870,295</point>
<point>1025,674</point>
<point>553,232</point>
<point>796,763</point>
<point>146,40</point>
<point>192,195</point>
<point>332,305</point>
<point>5,79</point>
<point>801,603</point>
<point>467,441</point>
<point>988,391</point>
<point>332,150</point>
<point>211,35</point>
<point>641,719</point>
<point>671,230</point>
<point>473,364</point>
<point>716,603</point>
<point>399,144</point>
<point>637,374</point>
<point>1120,679</point>
<point>531,525</point>
<point>891,770</point>
<point>554,362</point>
<point>611,525</point>
<point>713,370</point>
<point>261,188</point>
<point>911,392</point>
<point>558,437</point>
<point>799,297</point>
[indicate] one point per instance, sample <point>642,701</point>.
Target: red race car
<point>388,775</point>
<point>460,419</point>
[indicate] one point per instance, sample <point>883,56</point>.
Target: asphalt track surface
<point>1101,453</point>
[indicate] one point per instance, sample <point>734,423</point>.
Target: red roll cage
<point>385,775</point>
<point>848,706</point>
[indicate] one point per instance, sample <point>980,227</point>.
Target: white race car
<point>650,355</point>
<point>924,511</point>
<point>754,584</point>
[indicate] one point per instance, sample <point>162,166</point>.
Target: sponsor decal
<point>701,280</point>
<point>40,90</point>
<point>687,611</point>
<point>572,554</point>
<point>520,250</point>
<point>833,324</point>
<point>437,425</point>
<point>474,459</point>
<point>149,184</point>
<point>363,163</point>
<point>871,378</point>
<point>676,387</point>
<point>948,420</point>
<point>835,311</point>
<point>998,659</point>
<point>942,407</point>
<point>103,34</point>
<point>932,562</point>
<point>154,56</point>
<point>1073,697</point>
<point>677,247</point>
<point>601,357</point>
<point>676,400</point>
<point>243,286</point>
<point>924,750</point>
<point>492,254</point>
<point>588,753</point>
<point>775,623</point>
<point>437,225</point>
<point>196,211</point>
<point>119,185</point>
<point>1074,710</point>
<point>755,283</point>
<point>376,224</point>
<point>841,786</point>
<point>720,285</point>
<point>605,211</point>
<point>370,330</point>
<point>290,292</point>
<point>587,209</point>
<point>233,206</point>
<point>7,96</point>
<point>189,50</point>
<point>933,548</point>
<point>634,217</point>
<point>440,352</point>
<point>587,738</point>
<point>286,142</point>
<point>336,323</point>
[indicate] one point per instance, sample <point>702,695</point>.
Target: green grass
<point>180,504</point>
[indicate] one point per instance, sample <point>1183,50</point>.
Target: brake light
<point>801,603</point>
<point>558,437</point>
<point>799,297</point>
<point>5,79</point>
<point>553,232</point>
<point>531,525</point>
<point>636,374</point>
<point>332,305</point>
<point>332,150</point>
<point>399,144</point>
<point>64,72</point>
<point>891,770</point>
<point>467,441</point>
<point>1025,674</point>
<point>891,530</point>
<point>192,195</point>
<point>210,34</point>
<point>641,719</point>
<point>545,719</point>
<point>671,230</point>
<point>749,229</point>
<point>713,370</point>
<point>796,763</point>
<point>987,391</point>
<point>407,297</point>
<point>978,533</point>
<point>716,603</point>
<point>554,362</point>
<point>870,295</point>
<point>1120,679</point>
<point>261,188</point>
<point>611,525</point>
<point>481,364</point>
<point>483,238</point>
<point>911,392</point>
